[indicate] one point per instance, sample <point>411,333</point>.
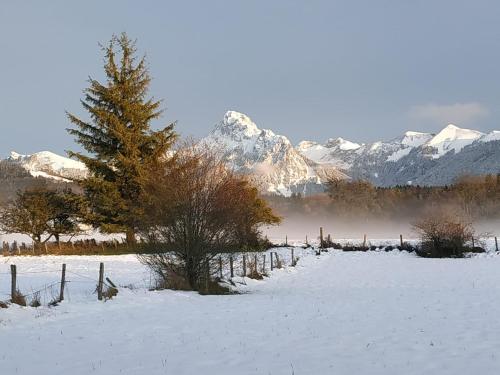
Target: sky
<point>311,70</point>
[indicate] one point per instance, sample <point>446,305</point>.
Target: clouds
<point>458,113</point>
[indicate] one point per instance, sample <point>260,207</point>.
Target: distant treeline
<point>474,196</point>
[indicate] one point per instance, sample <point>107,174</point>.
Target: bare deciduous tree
<point>198,209</point>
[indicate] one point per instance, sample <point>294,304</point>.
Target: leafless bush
<point>444,235</point>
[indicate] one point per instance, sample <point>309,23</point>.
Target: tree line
<point>475,197</point>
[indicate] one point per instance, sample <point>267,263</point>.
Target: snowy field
<point>339,313</point>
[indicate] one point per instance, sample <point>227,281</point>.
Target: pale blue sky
<point>362,70</point>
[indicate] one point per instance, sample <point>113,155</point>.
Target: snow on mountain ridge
<point>452,138</point>
<point>50,165</point>
<point>277,167</point>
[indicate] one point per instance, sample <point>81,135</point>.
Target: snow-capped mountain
<point>49,165</point>
<point>280,168</point>
<point>414,158</point>
<point>270,159</point>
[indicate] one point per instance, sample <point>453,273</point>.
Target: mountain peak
<point>342,144</point>
<point>239,122</point>
<point>452,133</point>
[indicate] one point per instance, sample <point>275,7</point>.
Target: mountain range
<point>279,167</point>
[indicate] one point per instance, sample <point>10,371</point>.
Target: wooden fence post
<point>101,281</point>
<point>255,264</point>
<point>293,259</point>
<point>63,282</point>
<point>364,241</point>
<point>496,243</point>
<point>286,240</point>
<point>307,243</point>
<point>244,265</point>
<point>13,285</point>
<point>473,245</point>
<point>220,267</point>
<point>321,237</point>
<point>207,275</point>
<point>231,266</point>
<point>264,263</point>
<point>271,254</point>
<point>401,240</point>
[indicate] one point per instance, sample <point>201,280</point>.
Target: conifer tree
<point>121,146</point>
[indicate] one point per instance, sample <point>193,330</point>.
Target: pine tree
<point>121,146</point>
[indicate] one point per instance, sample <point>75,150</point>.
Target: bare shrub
<point>443,235</point>
<point>3,305</point>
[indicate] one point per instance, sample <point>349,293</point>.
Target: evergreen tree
<point>120,143</point>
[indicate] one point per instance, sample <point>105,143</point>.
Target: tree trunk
<point>131,240</point>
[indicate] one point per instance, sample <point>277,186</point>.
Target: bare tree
<point>198,209</point>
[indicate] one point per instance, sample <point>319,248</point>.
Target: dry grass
<point>18,298</point>
<point>36,300</point>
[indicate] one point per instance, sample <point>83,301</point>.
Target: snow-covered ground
<point>338,313</point>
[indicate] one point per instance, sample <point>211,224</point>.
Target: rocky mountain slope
<point>271,159</point>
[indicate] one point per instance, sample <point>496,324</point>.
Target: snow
<point>49,165</point>
<point>339,313</point>
<point>342,144</point>
<point>493,136</point>
<point>269,158</point>
<point>452,138</point>
<point>399,154</point>
<point>415,139</point>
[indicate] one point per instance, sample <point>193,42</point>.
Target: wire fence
<point>53,292</point>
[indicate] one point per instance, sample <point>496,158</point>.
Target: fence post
<point>63,282</point>
<point>496,243</point>
<point>220,267</point>
<point>307,243</point>
<point>264,263</point>
<point>207,276</point>
<point>473,241</point>
<point>286,240</point>
<point>231,266</point>
<point>255,264</point>
<point>293,259</point>
<point>13,285</point>
<point>101,279</point>
<point>364,241</point>
<point>244,265</point>
<point>401,240</point>
<point>271,254</point>
<point>320,237</point>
